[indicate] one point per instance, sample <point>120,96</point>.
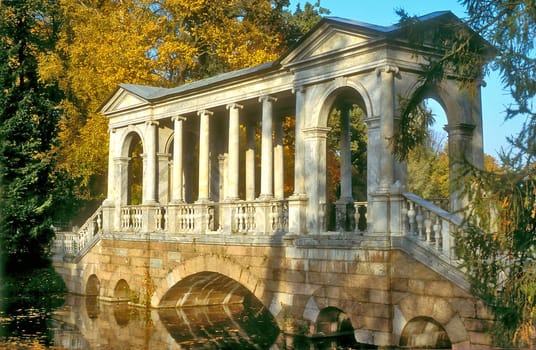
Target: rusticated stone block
<point>416,286</point>
<point>464,307</point>
<point>399,284</point>
<point>438,288</point>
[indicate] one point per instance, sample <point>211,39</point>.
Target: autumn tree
<point>497,242</point>
<point>28,128</point>
<point>161,43</point>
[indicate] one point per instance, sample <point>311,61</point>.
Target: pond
<point>87,323</point>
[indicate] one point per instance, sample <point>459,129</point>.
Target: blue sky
<point>382,12</point>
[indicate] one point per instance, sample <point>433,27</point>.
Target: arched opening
<point>92,292</point>
<point>203,305</point>
<point>122,290</point>
<point>428,164</point>
<point>93,286</point>
<point>135,171</point>
<point>424,333</point>
<point>346,158</point>
<point>333,321</point>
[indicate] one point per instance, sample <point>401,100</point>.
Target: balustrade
<point>429,225</point>
<point>244,217</point>
<point>71,243</point>
<point>279,216</point>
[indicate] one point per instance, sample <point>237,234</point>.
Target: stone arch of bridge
<point>92,285</point>
<point>438,310</point>
<point>224,280</point>
<point>320,305</point>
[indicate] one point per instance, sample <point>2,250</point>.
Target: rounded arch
<point>122,290</point>
<point>168,143</point>
<point>127,136</point>
<point>92,286</point>
<point>204,268</point>
<point>332,320</point>
<point>414,307</point>
<point>424,332</point>
<point>351,91</point>
<point>447,94</point>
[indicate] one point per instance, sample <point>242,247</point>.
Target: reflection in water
<point>87,323</point>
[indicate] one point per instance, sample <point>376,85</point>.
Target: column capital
<point>298,89</point>
<point>178,118</point>
<point>387,68</point>
<point>205,112</point>
<point>151,122</point>
<point>267,98</point>
<point>234,106</point>
<point>463,129</point>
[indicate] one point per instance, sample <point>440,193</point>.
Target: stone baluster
<point>411,218</point>
<point>437,233</point>
<point>419,218</point>
<point>446,239</point>
<point>428,226</point>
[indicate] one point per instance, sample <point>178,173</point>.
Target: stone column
<point>112,200</point>
<point>232,179</point>
<point>204,149</point>
<point>345,209</point>
<point>177,195</point>
<point>279,180</point>
<point>387,110</point>
<point>149,178</point>
<point>250,162</point>
<point>297,202</point>
<point>121,184</point>
<point>163,177</point>
<point>346,156</point>
<point>299,158</point>
<point>267,189</point>
<point>459,138</point>
<point>315,140</point>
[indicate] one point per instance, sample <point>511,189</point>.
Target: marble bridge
<point>212,198</point>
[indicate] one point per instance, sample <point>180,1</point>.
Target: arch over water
<point>92,286</point>
<point>122,290</point>
<point>234,280</point>
<point>424,332</point>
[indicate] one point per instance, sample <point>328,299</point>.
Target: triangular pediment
<point>327,40</point>
<point>122,100</point>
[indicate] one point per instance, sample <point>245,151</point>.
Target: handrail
<point>72,243</point>
<point>430,226</point>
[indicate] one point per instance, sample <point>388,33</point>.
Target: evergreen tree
<point>497,242</point>
<point>28,119</point>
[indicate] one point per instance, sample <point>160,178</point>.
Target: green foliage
<point>41,288</point>
<point>28,120</point>
<point>462,56</point>
<point>497,244</point>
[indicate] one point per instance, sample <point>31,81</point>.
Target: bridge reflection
<point>87,323</point>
